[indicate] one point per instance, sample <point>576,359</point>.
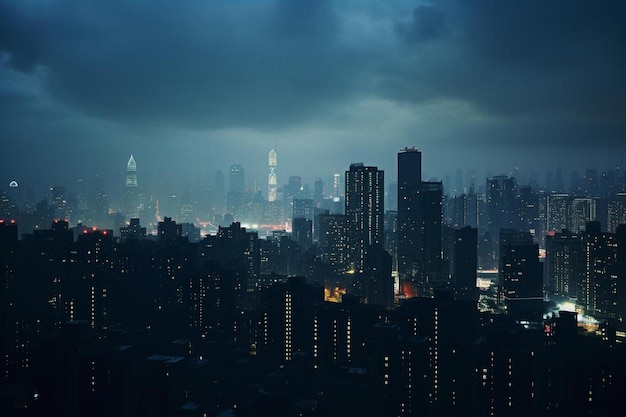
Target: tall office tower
<point>235,199</point>
<point>420,217</point>
<point>409,183</point>
<point>616,212</point>
<point>501,204</point>
<point>429,244</point>
<point>272,181</point>
<point>521,277</point>
<point>582,210</point>
<point>463,262</point>
<point>558,212</point>
<point>364,208</point>
<point>132,193</point>
<point>565,263</point>
<point>318,193</point>
<point>237,183</point>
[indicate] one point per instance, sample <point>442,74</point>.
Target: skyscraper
<point>420,218</point>
<point>521,275</point>
<point>600,288</point>
<point>558,212</point>
<point>132,192</point>
<point>364,208</point>
<point>333,241</point>
<point>464,261</point>
<point>235,199</point>
<point>501,204</point>
<point>409,182</point>
<point>616,212</point>
<point>237,179</point>
<point>565,263</point>
<point>272,181</point>
<point>582,210</point>
<point>131,173</point>
<point>430,219</point>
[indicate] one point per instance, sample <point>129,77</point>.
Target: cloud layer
<point>451,74</point>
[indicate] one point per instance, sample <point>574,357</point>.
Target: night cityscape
<point>312,208</point>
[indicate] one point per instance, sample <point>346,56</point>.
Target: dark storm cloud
<point>21,35</point>
<point>198,64</point>
<point>332,79</point>
<point>427,23</point>
<point>549,58</point>
<point>212,64</point>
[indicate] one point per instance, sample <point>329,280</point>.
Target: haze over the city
<point>191,87</point>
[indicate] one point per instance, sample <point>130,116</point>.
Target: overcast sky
<point>189,87</point>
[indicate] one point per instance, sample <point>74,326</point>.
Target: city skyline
<point>192,89</point>
<point>312,208</point>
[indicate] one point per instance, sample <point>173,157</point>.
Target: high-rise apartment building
<point>557,212</point>
<point>521,277</point>
<point>616,212</point>
<point>364,208</point>
<point>333,241</point>
<point>565,263</point>
<point>600,288</point>
<point>582,210</point>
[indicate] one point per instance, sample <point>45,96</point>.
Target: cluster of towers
<point>289,321</point>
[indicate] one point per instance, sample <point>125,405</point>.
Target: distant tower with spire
<point>132,193</point>
<point>272,181</point>
<point>131,173</point>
